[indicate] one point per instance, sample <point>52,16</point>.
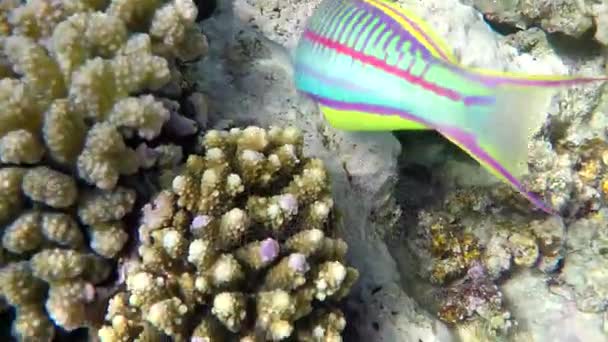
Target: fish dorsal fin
<point>417,27</point>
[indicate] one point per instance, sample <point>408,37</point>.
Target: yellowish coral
<point>241,245</point>
<point>53,188</point>
<point>76,78</point>
<point>20,147</point>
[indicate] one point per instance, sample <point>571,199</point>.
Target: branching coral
<point>240,246</point>
<point>78,84</point>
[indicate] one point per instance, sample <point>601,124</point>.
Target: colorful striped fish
<point>371,65</point>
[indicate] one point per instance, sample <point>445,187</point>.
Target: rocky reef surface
<point>455,254</point>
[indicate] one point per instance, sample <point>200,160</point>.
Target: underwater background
<point>161,178</point>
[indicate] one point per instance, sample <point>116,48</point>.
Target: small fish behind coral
<point>373,66</point>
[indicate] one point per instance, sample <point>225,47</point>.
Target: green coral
<point>79,83</point>
<point>241,246</point>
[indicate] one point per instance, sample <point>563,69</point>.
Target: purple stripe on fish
<point>376,41</point>
<point>387,42</point>
<point>402,42</point>
<point>371,28</point>
<point>349,32</point>
<point>479,100</point>
<point>368,108</point>
<point>371,34</point>
<point>470,142</point>
<point>332,26</point>
<point>363,23</point>
<point>466,139</point>
<point>337,20</point>
<point>394,26</point>
<point>414,25</point>
<point>344,24</point>
<point>322,26</point>
<point>427,67</point>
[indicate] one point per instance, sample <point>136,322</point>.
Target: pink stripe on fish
<point>381,64</point>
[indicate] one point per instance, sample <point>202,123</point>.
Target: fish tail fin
<point>497,134</point>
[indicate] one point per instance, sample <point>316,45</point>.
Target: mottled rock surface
<point>251,42</point>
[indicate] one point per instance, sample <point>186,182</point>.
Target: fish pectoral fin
<point>350,120</point>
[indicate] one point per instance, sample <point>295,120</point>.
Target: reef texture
<point>248,61</point>
<point>475,224</point>
<point>469,250</point>
<point>243,245</point>
<point>467,256</point>
<point>570,17</point>
<point>76,83</point>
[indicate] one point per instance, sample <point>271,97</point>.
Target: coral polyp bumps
<point>76,83</point>
<point>241,247</point>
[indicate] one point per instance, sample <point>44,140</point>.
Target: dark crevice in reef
<point>205,8</point>
<point>416,176</point>
<point>568,46</point>
<point>572,47</point>
<point>557,132</point>
<point>419,173</point>
<point>501,28</point>
<point>6,318</point>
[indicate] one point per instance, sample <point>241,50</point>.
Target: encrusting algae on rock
<point>241,247</point>
<point>466,257</point>
<point>76,83</point>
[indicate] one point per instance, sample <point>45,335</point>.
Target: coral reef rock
<point>247,61</point>
<point>490,242</point>
<point>570,17</point>
<point>242,245</point>
<point>78,90</point>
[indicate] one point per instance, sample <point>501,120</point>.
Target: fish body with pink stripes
<point>373,66</point>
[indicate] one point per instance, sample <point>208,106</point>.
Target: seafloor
<point>437,248</point>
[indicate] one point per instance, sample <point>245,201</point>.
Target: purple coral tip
<point>199,339</point>
<point>146,156</point>
<point>476,272</point>
<point>289,204</point>
<point>269,250</point>
<point>298,263</point>
<point>199,222</point>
